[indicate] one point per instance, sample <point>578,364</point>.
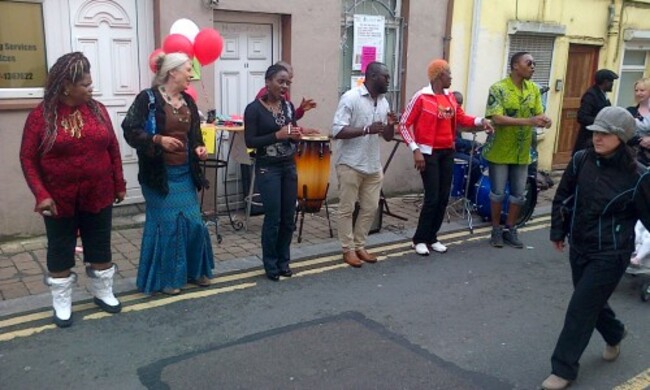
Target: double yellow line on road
<point>137,302</point>
<point>639,382</point>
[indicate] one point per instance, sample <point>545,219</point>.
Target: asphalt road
<point>474,318</point>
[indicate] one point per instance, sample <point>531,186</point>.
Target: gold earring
<point>66,93</point>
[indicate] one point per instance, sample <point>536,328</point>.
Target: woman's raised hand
<point>307,104</point>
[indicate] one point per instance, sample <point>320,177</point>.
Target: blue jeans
<point>516,175</point>
<point>278,186</point>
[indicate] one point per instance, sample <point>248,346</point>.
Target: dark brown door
<point>581,67</point>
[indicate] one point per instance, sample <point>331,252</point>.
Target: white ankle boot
<point>101,286</point>
<point>61,289</point>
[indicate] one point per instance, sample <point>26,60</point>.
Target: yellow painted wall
<point>477,65</point>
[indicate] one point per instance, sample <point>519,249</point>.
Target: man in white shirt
<point>363,114</point>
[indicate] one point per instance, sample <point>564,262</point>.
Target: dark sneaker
<point>511,238</point>
<point>496,238</point>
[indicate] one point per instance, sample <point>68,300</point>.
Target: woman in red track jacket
<point>429,127</point>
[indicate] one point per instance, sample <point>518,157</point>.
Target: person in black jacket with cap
<point>606,191</point>
<point>594,100</point>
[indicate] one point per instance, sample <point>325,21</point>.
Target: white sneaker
<point>421,249</point>
<point>438,247</point>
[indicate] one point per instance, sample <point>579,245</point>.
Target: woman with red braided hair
<point>71,161</point>
<point>429,127</point>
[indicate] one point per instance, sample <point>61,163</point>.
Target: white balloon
<point>185,27</point>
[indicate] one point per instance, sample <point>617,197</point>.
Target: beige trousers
<point>356,186</point>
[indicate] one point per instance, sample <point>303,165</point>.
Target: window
<point>23,63</point>
<point>540,47</point>
<point>633,68</point>
<point>389,9</point>
<point>25,24</point>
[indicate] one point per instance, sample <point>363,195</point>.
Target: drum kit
<point>471,193</point>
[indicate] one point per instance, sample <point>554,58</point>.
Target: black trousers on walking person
<point>436,178</point>
<point>595,278</point>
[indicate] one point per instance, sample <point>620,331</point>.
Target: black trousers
<point>278,184</point>
<point>95,231</point>
<point>595,278</point>
<point>436,178</point>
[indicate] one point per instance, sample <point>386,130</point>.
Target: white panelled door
<point>106,32</point>
<point>248,50</point>
<point>247,53</point>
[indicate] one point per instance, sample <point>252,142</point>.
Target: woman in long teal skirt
<point>176,246</point>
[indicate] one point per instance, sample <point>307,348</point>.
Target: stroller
<point>640,262</point>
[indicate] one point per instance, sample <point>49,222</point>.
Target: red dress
<point>80,173</point>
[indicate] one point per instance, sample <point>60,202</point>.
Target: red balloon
<point>153,57</point>
<point>208,45</point>
<point>177,43</point>
<point>192,92</point>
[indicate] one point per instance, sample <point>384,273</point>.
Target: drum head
<point>315,137</point>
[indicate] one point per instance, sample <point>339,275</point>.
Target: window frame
<point>510,52</point>
<point>56,38</point>
<point>393,43</point>
<point>631,69</point>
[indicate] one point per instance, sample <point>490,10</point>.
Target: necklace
<point>278,113</point>
<point>176,111</point>
<point>73,124</point>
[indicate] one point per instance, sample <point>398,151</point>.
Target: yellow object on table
<point>208,131</point>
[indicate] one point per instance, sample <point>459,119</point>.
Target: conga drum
<point>313,167</point>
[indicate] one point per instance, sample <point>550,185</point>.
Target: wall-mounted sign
<point>369,39</point>
<point>22,45</point>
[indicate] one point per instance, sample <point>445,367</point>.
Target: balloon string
<point>205,93</point>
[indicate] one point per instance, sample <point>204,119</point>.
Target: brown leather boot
<point>365,256</point>
<point>350,257</point>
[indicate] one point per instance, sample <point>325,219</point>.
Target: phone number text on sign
<point>17,76</point>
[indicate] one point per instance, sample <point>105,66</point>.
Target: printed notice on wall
<point>369,33</point>
<point>22,45</point>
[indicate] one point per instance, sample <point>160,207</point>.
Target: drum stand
<point>383,203</point>
<point>300,211</point>
<point>249,198</point>
<point>464,201</point>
